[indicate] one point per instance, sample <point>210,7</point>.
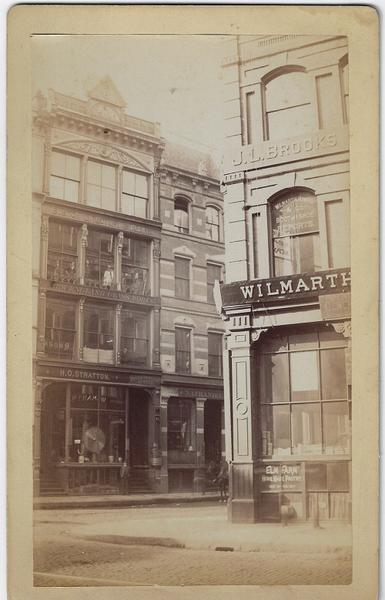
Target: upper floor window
<point>101,185</point>
<point>65,176</point>
<point>60,329</point>
<point>214,272</point>
<point>289,109</point>
<point>181,214</point>
<point>182,277</point>
<point>182,350</point>
<point>212,223</point>
<point>135,263</point>
<point>215,354</point>
<point>100,259</point>
<point>62,252</point>
<point>304,394</point>
<point>98,334</point>
<point>135,194</point>
<point>134,338</point>
<point>295,231</point>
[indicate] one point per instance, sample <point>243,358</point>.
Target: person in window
<point>108,277</point>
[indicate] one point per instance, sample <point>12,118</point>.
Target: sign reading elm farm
<point>334,281</point>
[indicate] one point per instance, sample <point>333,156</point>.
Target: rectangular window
<point>135,194</point>
<point>60,329</point>
<point>306,429</point>
<point>100,253</point>
<point>215,354</point>
<point>65,176</point>
<point>337,234</point>
<point>98,334</point>
<point>182,277</point>
<point>180,425</point>
<point>62,252</point>
<point>182,350</point>
<point>214,272</point>
<point>101,185</point>
<point>135,266</point>
<point>134,338</point>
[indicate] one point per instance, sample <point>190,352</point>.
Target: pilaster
<point>80,328</point>
<point>41,324</point>
<point>39,387</point>
<point>118,331</point>
<point>118,261</point>
<point>163,444</point>
<point>44,232</point>
<point>82,253</point>
<point>199,474</point>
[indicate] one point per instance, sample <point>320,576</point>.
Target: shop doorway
<point>138,428</point>
<point>213,431</point>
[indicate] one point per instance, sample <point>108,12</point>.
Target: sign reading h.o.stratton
<point>335,281</point>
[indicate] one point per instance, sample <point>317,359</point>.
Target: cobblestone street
<point>65,557</point>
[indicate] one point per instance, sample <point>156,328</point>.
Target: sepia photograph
<point>193,419</point>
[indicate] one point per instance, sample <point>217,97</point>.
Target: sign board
<point>280,477</point>
<point>92,375</point>
<point>290,287</point>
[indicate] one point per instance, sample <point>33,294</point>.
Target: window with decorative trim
<point>65,176</point>
<point>289,105</point>
<point>135,194</point>
<point>181,214</point>
<point>60,329</point>
<point>213,223</point>
<point>134,337</point>
<point>135,266</point>
<point>101,185</point>
<point>295,233</point>
<point>99,334</point>
<point>100,259</point>
<point>182,350</point>
<point>303,394</point>
<point>182,277</point>
<point>62,263</point>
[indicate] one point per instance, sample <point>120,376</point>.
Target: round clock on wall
<point>94,439</point>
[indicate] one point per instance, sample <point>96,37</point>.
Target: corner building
<point>98,246</point>
<point>286,301</point>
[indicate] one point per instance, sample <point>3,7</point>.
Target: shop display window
<point>303,395</point>
<point>328,487</point>
<point>62,264</point>
<point>98,334</point>
<point>135,266</point>
<point>134,338</point>
<point>295,231</point>
<point>60,329</point>
<point>100,259</point>
<point>181,425</point>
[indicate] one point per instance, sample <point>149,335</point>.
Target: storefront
<point>91,422</point>
<point>289,408</point>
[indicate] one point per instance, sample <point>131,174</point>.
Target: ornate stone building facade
<point>286,301</point>
<point>98,254</point>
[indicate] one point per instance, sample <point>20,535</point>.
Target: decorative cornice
<point>256,334</point>
<point>105,151</point>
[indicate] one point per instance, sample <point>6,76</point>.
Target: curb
<point>48,504</point>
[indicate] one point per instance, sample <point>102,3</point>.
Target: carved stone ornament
<point>44,228</point>
<point>105,151</point>
<point>256,334</point>
<point>120,241</point>
<point>156,249</point>
<point>344,327</point>
<point>84,234</point>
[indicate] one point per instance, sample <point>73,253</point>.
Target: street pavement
<point>183,545</point>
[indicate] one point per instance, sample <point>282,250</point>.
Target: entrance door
<point>138,427</point>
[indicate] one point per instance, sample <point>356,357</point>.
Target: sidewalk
<point>121,501</point>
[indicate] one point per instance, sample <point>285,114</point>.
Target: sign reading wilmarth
<point>335,281</point>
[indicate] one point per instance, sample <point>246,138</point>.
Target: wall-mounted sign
<point>94,292</point>
<point>336,281</point>
<point>93,375</point>
<point>200,393</point>
<point>295,148</point>
<point>281,477</point>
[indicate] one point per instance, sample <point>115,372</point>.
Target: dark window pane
<point>304,376</point>
<point>275,378</point>
<point>303,341</point>
<point>330,338</point>
<point>275,430</point>
<point>333,375</point>
<point>316,477</point>
<point>336,427</point>
<point>338,477</point>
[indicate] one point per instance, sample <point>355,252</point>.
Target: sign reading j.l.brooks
<point>335,281</point>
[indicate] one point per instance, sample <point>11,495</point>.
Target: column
<point>163,444</point>
<point>200,472</point>
<point>67,442</point>
<point>223,434</point>
<point>242,503</point>
<point>44,232</point>
<point>156,191</point>
<point>82,254</point>
<point>118,261</point>
<point>118,332</point>
<point>156,313</point>
<point>41,324</point>
<point>38,399</point>
<point>80,328</point>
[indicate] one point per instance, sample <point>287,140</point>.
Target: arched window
<point>295,233</point>
<point>212,223</point>
<point>289,109</point>
<point>181,214</point>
